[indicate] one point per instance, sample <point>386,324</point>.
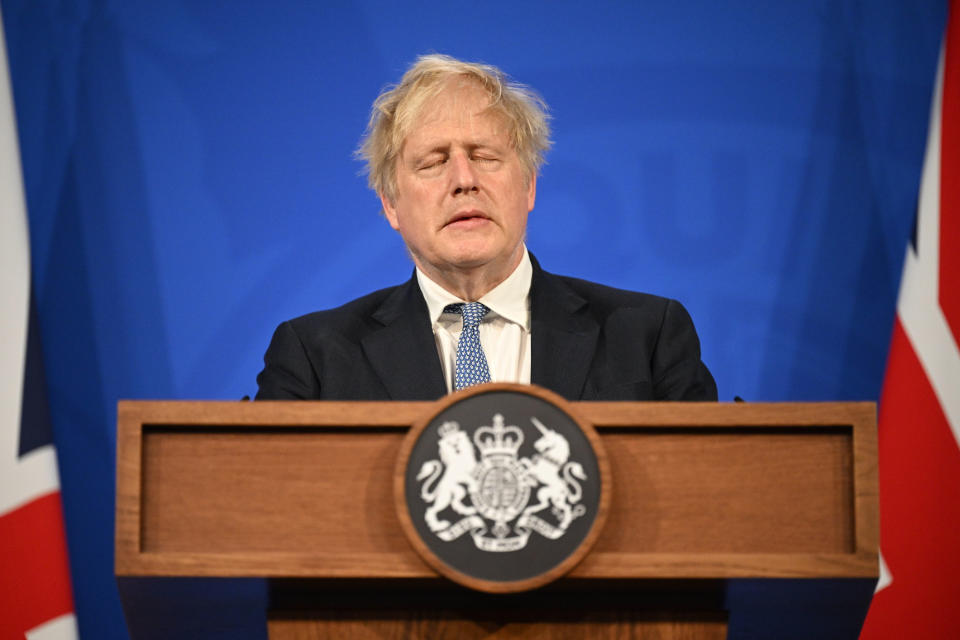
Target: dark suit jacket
<point>590,342</point>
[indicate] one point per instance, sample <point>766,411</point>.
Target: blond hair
<point>397,107</point>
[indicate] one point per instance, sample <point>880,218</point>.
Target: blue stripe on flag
<point>35,430</point>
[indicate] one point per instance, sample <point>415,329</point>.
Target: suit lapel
<point>564,335</point>
<point>403,352</point>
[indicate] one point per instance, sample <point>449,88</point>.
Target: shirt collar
<point>509,299</point>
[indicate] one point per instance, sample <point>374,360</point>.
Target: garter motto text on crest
<point>501,498</point>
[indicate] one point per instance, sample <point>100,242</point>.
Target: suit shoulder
<point>610,298</point>
<point>346,317</point>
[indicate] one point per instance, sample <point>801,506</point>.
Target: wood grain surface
<point>304,489</point>
<point>527,625</point>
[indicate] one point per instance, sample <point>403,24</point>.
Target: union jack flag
<point>919,428</point>
<point>35,596</point>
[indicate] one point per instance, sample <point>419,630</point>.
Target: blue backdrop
<point>190,184</point>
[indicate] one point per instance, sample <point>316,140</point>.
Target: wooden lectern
<point>706,497</point>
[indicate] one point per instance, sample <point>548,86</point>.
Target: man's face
<point>462,194</point>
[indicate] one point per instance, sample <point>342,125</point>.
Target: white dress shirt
<point>504,331</point>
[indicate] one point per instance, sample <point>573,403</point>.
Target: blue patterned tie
<point>471,363</point>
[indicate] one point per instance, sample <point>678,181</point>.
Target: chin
<point>470,261</point>
<point>471,256</point>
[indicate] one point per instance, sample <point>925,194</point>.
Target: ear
<point>532,192</point>
<point>389,212</point>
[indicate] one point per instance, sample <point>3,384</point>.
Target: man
<point>453,153</point>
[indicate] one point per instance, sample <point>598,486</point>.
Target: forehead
<point>460,108</point>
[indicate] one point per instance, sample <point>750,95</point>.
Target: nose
<point>463,174</point>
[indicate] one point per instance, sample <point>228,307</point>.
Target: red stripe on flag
<point>34,581</point>
<point>920,506</point>
<point>950,176</point>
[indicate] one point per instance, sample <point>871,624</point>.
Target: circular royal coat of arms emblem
<point>501,489</point>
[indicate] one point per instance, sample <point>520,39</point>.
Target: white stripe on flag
<point>918,304</point>
<point>36,474</point>
<point>62,628</point>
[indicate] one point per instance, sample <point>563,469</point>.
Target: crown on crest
<point>498,439</point>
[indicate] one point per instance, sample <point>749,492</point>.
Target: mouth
<point>467,219</point>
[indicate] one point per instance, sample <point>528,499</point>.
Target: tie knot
<point>472,312</point>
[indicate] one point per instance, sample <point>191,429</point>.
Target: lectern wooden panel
<point>304,490</point>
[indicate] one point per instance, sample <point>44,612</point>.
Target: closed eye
<point>432,163</point>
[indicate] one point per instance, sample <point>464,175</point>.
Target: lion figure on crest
<point>550,468</point>
<point>459,459</point>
